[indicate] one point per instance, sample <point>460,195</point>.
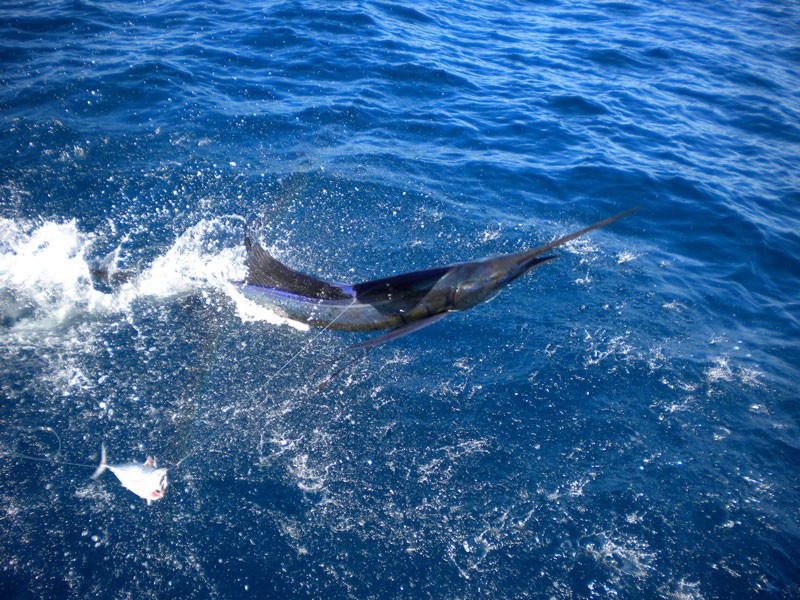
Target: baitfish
<point>145,480</point>
<point>402,303</point>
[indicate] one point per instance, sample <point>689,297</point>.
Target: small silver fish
<point>145,480</point>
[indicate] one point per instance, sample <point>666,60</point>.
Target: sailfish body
<point>402,303</point>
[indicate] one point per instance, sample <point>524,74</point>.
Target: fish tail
<point>103,465</point>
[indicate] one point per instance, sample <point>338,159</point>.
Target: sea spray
<point>46,273</point>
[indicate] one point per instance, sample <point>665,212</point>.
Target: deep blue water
<point>622,422</point>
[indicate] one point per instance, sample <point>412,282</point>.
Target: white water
<point>45,274</point>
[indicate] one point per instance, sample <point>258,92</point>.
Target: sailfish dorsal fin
<point>265,271</point>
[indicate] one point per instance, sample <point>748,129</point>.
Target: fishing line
<point>178,464</point>
<point>333,375</point>
<point>309,343</point>
<point>48,459</point>
<point>302,350</point>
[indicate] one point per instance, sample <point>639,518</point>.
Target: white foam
<point>45,273</point>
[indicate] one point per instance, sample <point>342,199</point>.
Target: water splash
<point>46,273</point>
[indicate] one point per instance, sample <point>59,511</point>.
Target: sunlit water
<point>622,422</point>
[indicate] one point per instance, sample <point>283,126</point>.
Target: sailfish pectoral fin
<point>398,332</point>
<point>371,343</point>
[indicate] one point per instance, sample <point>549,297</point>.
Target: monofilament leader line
<point>309,343</point>
<point>53,460</point>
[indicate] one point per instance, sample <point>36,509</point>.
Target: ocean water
<point>621,423</point>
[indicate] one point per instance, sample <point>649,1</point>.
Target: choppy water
<point>622,422</point>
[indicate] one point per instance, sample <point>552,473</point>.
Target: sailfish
<point>401,303</point>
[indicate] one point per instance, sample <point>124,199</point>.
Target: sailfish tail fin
<point>266,271</point>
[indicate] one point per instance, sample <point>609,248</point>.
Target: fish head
<point>144,481</point>
<point>473,283</point>
<point>159,478</point>
<point>154,481</point>
<point>482,280</point>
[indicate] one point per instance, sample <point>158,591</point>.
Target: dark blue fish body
<point>402,303</point>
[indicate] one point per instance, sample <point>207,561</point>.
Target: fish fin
<point>150,462</point>
<point>398,332</point>
<point>149,502</point>
<point>406,286</point>
<point>265,271</point>
<point>103,465</point>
